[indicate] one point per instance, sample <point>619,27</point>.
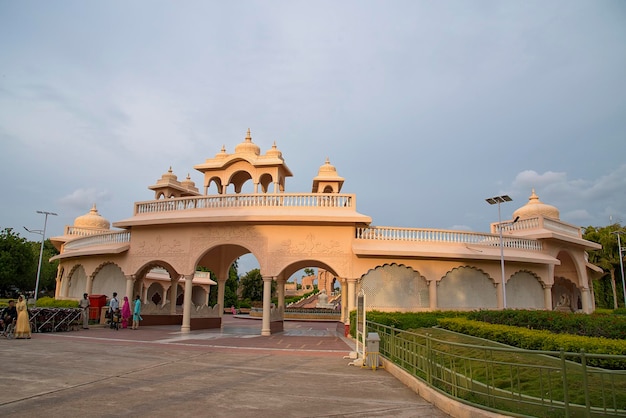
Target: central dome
<point>247,146</point>
<point>92,220</point>
<point>536,207</point>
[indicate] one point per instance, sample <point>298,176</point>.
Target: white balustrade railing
<point>247,200</point>
<point>117,237</point>
<point>538,223</point>
<point>83,232</point>
<point>380,233</point>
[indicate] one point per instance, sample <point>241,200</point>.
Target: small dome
<point>274,152</point>
<point>222,153</point>
<point>168,177</point>
<point>188,183</point>
<point>247,146</point>
<point>92,220</point>
<point>536,207</point>
<point>327,170</point>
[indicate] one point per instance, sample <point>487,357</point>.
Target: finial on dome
<point>170,170</point>
<point>327,160</point>
<point>248,136</point>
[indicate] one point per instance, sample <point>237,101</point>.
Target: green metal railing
<point>508,380</point>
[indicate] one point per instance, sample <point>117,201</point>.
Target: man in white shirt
<point>114,304</point>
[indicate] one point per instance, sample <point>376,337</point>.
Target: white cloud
<point>80,199</point>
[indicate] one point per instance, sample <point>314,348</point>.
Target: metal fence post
<point>583,362</point>
<point>564,374</point>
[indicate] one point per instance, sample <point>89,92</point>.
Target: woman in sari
<point>125,313</point>
<point>22,325</point>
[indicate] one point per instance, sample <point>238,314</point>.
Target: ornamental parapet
<point>117,237</point>
<point>303,200</point>
<point>537,223</point>
<point>384,233</point>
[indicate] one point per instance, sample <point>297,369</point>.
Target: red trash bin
<point>95,303</point>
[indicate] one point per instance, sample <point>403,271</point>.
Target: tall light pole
<point>496,200</point>
<point>43,238</point>
<point>621,262</point>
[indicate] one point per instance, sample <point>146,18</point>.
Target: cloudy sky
<point>426,108</point>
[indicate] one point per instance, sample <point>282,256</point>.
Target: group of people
<point>14,319</point>
<point>117,317</point>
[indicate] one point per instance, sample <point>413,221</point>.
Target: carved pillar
<point>58,281</point>
<point>547,296</point>
<point>584,295</point>
<point>186,327</point>
<point>344,300</point>
<point>499,295</point>
<point>221,290</point>
<point>130,283</point>
<point>280,290</point>
<point>173,295</point>
<point>432,294</point>
<point>351,297</point>
<point>267,302</point>
<point>143,290</point>
<point>89,285</point>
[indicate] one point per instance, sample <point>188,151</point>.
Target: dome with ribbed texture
<point>536,207</point>
<point>274,152</point>
<point>92,220</point>
<point>247,146</point>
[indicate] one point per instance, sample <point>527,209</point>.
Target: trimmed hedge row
<point>592,325</point>
<point>541,340</point>
<point>48,302</point>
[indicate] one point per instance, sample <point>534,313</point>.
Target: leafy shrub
<point>541,340</point>
<point>588,325</point>
<point>405,320</point>
<point>47,302</point>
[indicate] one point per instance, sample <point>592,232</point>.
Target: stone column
<point>221,290</point>
<point>88,285</point>
<point>130,282</point>
<point>547,297</point>
<point>173,294</point>
<point>351,297</point>
<point>584,296</point>
<point>186,327</point>
<point>267,302</point>
<point>344,300</point>
<point>432,294</point>
<point>280,290</point>
<point>499,295</point>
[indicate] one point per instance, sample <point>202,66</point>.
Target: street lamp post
<point>43,238</point>
<point>621,263</point>
<point>493,201</point>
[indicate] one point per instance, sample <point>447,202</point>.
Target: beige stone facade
<point>405,269</point>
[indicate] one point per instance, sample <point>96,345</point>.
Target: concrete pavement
<point>158,372</point>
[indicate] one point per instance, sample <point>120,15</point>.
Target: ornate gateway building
<point>158,251</point>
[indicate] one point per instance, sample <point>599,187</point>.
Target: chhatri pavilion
<point>533,261</point>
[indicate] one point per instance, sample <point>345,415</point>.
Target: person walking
<point>84,304</point>
<point>126,315</point>
<point>114,305</point>
<point>136,313</point>
<point>22,325</point>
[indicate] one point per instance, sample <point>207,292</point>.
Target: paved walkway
<point>232,372</point>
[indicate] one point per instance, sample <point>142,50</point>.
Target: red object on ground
<point>95,303</point>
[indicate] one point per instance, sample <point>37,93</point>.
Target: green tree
<point>16,262</point>
<point>230,289</point>
<point>606,258</point>
<point>252,286</point>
